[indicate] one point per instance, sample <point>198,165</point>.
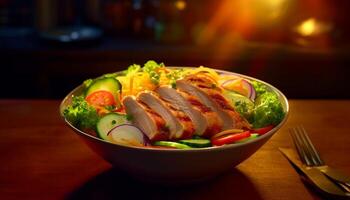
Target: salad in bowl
<point>174,124</point>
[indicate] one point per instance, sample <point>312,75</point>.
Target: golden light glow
<point>307,27</point>
<point>312,26</point>
<point>180,4</point>
<point>268,11</point>
<point>275,3</point>
<point>276,7</point>
<point>245,17</point>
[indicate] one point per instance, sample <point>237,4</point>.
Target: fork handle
<point>335,175</point>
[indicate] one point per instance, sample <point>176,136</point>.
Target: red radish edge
<point>252,92</point>
<point>145,138</point>
<point>252,97</point>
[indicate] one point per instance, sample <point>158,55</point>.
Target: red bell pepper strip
<point>228,139</point>
<point>263,130</point>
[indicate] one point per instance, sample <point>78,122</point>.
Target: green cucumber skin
<point>171,144</point>
<point>252,136</point>
<point>105,120</point>
<point>108,84</point>
<point>196,143</point>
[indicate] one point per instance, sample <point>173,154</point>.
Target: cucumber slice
<point>242,104</point>
<point>235,97</point>
<point>197,143</point>
<point>252,136</point>
<point>108,122</point>
<point>109,84</point>
<point>171,144</point>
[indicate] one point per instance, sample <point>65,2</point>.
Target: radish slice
<point>252,92</point>
<point>240,86</point>
<point>249,87</point>
<point>128,134</point>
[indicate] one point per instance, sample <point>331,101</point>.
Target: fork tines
<point>306,150</point>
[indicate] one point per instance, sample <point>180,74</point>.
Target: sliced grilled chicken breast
<point>211,96</point>
<point>145,119</point>
<point>180,126</point>
<point>212,118</point>
<point>238,121</point>
<point>180,103</point>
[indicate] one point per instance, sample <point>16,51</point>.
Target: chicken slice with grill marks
<point>211,96</point>
<point>145,119</point>
<point>238,121</point>
<point>180,125</point>
<point>178,102</point>
<point>212,118</point>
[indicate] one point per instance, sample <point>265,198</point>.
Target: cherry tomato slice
<point>101,98</point>
<point>228,139</point>
<point>263,130</point>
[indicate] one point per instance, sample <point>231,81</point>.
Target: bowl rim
<point>206,149</point>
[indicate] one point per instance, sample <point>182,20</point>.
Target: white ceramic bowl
<point>175,165</point>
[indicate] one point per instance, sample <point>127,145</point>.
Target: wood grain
<point>41,158</point>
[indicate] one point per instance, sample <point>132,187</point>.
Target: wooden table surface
<point>41,158</point>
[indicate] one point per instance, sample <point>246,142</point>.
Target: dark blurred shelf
<point>41,70</point>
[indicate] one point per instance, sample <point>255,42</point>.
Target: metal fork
<point>311,158</point>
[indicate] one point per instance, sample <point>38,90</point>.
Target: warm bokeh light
<point>312,27</point>
<point>307,27</point>
<point>245,17</point>
<point>240,23</point>
<point>269,10</point>
<point>234,22</point>
<point>180,4</point>
<point>276,7</point>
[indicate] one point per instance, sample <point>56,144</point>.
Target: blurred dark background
<point>48,47</point>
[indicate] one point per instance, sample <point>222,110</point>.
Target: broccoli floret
<point>132,69</point>
<point>81,114</point>
<point>151,67</point>
<point>268,110</point>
